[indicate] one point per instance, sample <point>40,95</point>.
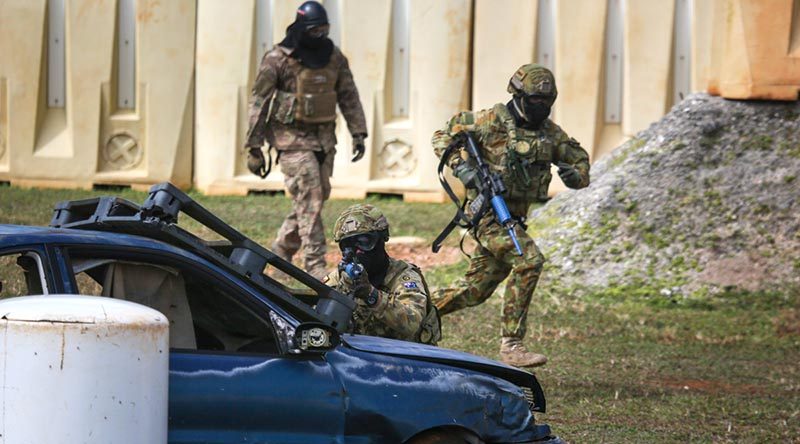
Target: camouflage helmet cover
<point>357,219</point>
<point>533,80</point>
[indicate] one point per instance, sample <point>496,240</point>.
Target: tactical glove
<point>467,174</point>
<point>359,287</point>
<point>358,146</point>
<point>256,163</point>
<point>569,175</point>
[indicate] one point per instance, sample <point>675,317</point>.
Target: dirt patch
<point>706,386</point>
<point>741,271</point>
<point>787,322</point>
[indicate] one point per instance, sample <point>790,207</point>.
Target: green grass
<point>622,368</point>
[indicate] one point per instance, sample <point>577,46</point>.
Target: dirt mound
<point>706,200</point>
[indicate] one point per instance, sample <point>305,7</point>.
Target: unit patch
<point>410,284</point>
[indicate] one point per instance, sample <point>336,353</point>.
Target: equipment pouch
<point>544,183</point>
<point>316,108</point>
<point>283,107</point>
<point>431,331</point>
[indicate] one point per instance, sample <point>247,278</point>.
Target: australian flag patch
<point>410,284</point>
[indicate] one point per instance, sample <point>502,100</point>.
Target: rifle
<point>349,265</point>
<point>490,194</point>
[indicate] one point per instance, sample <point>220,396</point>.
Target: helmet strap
<point>516,100</point>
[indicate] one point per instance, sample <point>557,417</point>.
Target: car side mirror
<point>313,337</point>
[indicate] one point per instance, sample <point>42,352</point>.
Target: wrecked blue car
<point>256,360</point>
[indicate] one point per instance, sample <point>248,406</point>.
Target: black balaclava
<point>313,52</point>
<point>528,114</point>
<point>375,262</point>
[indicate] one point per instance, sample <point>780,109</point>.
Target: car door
<point>230,381</point>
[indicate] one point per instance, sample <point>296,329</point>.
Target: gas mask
<point>533,110</point>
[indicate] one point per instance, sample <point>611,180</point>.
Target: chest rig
<point>528,155</point>
<point>314,100</point>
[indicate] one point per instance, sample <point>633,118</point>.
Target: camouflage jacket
<point>278,73</point>
<point>523,157</point>
<point>404,309</point>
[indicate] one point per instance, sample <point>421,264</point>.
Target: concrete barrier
<point>62,66</point>
<point>760,50</point>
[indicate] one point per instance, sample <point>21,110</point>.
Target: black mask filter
<point>533,110</point>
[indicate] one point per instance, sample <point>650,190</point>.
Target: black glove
<point>256,163</point>
<point>569,175</point>
<point>358,146</point>
<point>467,174</point>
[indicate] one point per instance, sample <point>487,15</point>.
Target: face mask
<point>536,111</point>
<point>370,251</point>
<point>310,41</point>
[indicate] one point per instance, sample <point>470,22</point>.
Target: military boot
<point>513,352</point>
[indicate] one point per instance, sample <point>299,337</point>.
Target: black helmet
<point>311,14</point>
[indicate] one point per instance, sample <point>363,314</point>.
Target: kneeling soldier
<point>392,296</point>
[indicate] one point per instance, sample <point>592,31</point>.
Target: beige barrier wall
<point>760,50</point>
<point>399,158</point>
<point>505,38</point>
<point>618,64</point>
<point>87,138</point>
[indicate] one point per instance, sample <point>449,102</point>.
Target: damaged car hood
<point>440,355</point>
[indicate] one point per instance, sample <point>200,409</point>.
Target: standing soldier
<point>308,76</point>
<point>391,295</point>
<point>518,141</point>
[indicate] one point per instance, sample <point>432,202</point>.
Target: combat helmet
<point>533,80</point>
<point>311,14</point>
<point>359,219</point>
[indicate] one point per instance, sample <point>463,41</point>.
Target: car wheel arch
<point>446,435</point>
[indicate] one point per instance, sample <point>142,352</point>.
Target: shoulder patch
<point>411,284</point>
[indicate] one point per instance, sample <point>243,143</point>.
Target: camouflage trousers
<point>494,260</point>
<point>307,181</point>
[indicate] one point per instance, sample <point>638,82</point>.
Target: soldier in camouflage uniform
<point>391,295</point>
<point>519,141</point>
<point>304,77</point>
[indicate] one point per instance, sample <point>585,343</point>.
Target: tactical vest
<point>315,98</point>
<point>430,330</point>
<point>527,160</point>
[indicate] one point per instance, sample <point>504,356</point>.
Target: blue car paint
<point>235,398</point>
<point>366,390</point>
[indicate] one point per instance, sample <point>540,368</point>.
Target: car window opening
<point>201,316</point>
<point>22,274</point>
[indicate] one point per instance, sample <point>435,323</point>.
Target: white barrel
<point>82,369</point>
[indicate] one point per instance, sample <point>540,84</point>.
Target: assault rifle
<point>349,265</point>
<point>490,194</point>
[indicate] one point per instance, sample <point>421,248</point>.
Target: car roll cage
<point>157,218</point>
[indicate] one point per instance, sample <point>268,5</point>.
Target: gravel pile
<point>705,201</point>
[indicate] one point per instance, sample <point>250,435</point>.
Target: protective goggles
<point>537,99</point>
<point>318,31</point>
<point>363,241</point>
